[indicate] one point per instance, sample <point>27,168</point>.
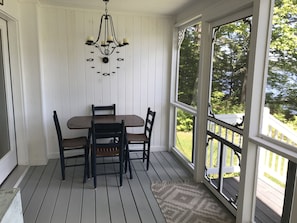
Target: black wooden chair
<point>66,145</point>
<point>110,152</point>
<point>142,138</point>
<point>104,110</point>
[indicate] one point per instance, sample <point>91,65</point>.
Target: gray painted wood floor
<point>46,198</point>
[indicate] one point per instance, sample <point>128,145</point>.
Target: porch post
<point>257,70</point>
<point>203,101</point>
<point>294,202</point>
<point>289,192</point>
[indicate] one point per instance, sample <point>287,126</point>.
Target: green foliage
<point>189,65</point>
<point>229,73</point>
<point>184,121</point>
<point>230,55</point>
<point>220,106</point>
<point>292,123</point>
<point>281,90</point>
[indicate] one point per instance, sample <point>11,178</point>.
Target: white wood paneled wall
<point>70,85</point>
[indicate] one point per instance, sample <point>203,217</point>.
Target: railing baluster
<point>224,141</point>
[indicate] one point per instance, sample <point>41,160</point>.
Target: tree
<point>281,92</point>
<point>230,55</point>
<point>189,65</point>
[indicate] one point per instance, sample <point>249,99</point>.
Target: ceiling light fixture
<point>106,41</point>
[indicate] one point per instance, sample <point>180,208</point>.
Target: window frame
<point>178,28</point>
<point>261,11</point>
<point>260,139</point>
<point>174,103</point>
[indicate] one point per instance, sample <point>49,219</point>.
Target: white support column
<point>257,70</point>
<point>32,83</point>
<point>203,94</point>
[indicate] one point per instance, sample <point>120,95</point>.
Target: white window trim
<point>204,91</point>
<point>282,149</point>
<point>174,88</point>
<point>258,60</point>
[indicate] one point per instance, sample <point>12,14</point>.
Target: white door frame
<point>9,160</point>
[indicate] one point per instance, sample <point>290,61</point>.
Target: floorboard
<point>59,213</point>
<point>269,200</point>
<point>33,208</point>
<point>15,177</point>
<point>30,184</point>
<point>74,211</point>
<point>48,199</point>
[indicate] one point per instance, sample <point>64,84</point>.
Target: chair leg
<point>85,173</point>
<point>62,161</point>
<point>143,152</point>
<point>128,162</point>
<point>130,169</point>
<point>88,161</point>
<point>126,157</point>
<point>94,168</point>
<point>92,172</point>
<point>86,166</point>
<point>121,168</point>
<point>88,148</point>
<point>148,156</point>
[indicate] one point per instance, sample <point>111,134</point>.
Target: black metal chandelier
<point>107,40</point>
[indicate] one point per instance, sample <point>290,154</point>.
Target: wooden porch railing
<point>271,165</point>
<point>223,155</point>
<point>220,131</point>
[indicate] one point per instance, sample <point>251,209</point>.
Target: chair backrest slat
<point>113,133</point>
<point>149,122</point>
<point>58,128</point>
<point>104,110</point>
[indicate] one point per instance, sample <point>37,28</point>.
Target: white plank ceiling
<point>164,7</point>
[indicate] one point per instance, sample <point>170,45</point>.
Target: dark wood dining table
<point>84,122</point>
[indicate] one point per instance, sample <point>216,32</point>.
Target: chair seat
<point>75,142</point>
<point>134,138</point>
<point>141,138</point>
<point>107,141</point>
<point>107,151</point>
<point>79,144</point>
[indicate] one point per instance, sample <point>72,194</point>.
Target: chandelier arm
<point>111,51</point>
<point>100,49</point>
<point>107,28</point>
<point>100,27</point>
<point>113,32</point>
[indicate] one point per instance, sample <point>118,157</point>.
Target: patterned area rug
<point>190,203</point>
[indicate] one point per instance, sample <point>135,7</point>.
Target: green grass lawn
<point>184,143</point>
